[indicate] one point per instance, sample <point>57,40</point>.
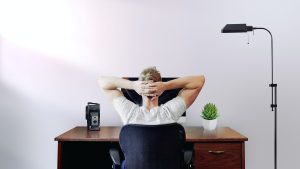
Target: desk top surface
<point>111,134</point>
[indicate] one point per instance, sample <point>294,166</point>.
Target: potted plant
<point>210,116</point>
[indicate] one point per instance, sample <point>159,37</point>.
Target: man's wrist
<point>166,85</point>
<point>131,85</point>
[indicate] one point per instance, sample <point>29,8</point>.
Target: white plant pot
<point>210,124</point>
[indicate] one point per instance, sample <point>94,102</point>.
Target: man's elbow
<point>201,81</point>
<point>102,82</point>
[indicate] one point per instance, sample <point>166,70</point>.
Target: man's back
<point>131,113</point>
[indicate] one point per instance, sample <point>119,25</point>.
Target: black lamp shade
<point>236,28</point>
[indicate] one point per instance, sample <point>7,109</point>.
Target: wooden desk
<point>222,149</point>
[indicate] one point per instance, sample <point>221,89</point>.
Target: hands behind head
<point>149,88</point>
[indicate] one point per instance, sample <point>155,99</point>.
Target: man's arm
<point>191,86</point>
<point>110,86</point>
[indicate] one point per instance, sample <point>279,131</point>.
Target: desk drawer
<point>218,156</point>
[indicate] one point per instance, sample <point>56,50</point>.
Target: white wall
<point>52,52</point>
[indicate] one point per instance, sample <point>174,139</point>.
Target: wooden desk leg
<point>243,155</point>
<point>59,156</point>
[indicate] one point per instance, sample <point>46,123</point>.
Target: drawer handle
<point>216,152</point>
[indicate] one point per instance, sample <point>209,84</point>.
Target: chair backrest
<point>153,146</point>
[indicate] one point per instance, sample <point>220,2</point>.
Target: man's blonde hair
<point>150,73</point>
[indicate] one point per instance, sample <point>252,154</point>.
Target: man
<point>150,87</point>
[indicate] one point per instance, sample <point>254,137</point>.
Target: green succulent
<point>210,112</point>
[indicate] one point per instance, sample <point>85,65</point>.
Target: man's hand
<point>142,88</point>
<point>157,87</point>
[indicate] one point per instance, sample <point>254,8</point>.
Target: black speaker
<point>92,115</point>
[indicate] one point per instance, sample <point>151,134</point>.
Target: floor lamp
<point>242,28</point>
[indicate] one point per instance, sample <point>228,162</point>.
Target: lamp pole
<point>274,98</point>
<point>241,28</point>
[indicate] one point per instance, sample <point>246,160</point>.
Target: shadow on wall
<point>39,98</point>
<point>12,129</point>
<point>0,56</point>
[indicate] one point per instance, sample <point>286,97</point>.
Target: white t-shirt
<point>131,113</point>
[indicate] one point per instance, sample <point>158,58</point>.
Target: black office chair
<point>152,147</point>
